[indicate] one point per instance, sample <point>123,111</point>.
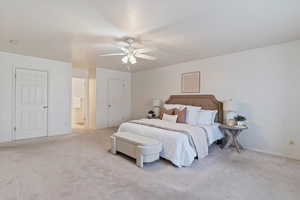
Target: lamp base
<point>229,116</point>
<point>156,111</point>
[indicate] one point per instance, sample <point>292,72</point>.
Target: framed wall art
<point>190,82</point>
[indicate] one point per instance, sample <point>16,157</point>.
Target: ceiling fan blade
<point>114,54</point>
<point>114,46</point>
<point>125,50</point>
<point>144,50</point>
<point>143,56</point>
<point>122,43</point>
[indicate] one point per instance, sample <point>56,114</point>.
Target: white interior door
<point>115,102</point>
<point>31,103</point>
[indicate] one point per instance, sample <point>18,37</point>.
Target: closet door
<point>31,104</point>
<point>115,102</point>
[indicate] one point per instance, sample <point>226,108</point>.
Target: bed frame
<point>207,102</point>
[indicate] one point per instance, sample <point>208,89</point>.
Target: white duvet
<point>177,147</point>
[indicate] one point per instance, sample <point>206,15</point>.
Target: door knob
<point>109,106</point>
<point>45,107</point>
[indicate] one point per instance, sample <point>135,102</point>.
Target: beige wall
<point>264,82</point>
<point>103,76</point>
<point>59,92</point>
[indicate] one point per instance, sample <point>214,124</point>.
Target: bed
<point>182,143</point>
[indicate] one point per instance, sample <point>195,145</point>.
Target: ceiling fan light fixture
<point>130,52</point>
<point>132,60</point>
<point>125,59</point>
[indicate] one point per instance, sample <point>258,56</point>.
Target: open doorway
<point>79,103</point>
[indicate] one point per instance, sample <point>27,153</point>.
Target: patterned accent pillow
<point>181,115</point>
<point>168,112</point>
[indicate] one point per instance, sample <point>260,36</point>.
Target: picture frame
<point>190,82</point>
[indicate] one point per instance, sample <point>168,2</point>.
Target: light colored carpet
<point>79,167</point>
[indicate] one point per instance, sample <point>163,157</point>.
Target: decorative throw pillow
<point>169,118</point>
<point>168,112</point>
<point>181,114</point>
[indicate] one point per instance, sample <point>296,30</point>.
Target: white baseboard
<point>57,133</point>
<point>272,153</point>
<point>5,141</point>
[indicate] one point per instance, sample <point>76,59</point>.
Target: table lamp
<point>156,103</point>
<point>229,112</point>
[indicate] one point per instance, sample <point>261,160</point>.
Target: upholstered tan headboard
<point>207,102</point>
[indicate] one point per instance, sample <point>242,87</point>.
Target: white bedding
<point>213,132</point>
<point>176,146</point>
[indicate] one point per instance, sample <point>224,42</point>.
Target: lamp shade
<point>156,102</point>
<point>228,105</point>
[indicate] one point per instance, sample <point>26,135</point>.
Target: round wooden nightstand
<point>231,134</point>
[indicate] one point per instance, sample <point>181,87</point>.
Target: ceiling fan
<point>130,53</point>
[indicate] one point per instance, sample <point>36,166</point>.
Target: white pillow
<point>173,106</point>
<point>181,107</point>
<point>207,117</point>
<point>193,107</point>
<point>169,118</point>
<point>192,115</point>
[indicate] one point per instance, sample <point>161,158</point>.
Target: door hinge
<point>15,75</point>
<point>15,129</point>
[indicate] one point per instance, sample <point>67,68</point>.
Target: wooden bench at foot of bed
<point>143,149</point>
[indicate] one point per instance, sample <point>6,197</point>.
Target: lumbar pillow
<point>166,111</point>
<point>181,115</point>
<point>207,117</point>
<point>169,118</point>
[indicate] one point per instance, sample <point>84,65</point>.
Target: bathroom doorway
<point>79,103</point>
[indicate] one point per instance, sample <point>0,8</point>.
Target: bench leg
<point>140,161</point>
<point>113,145</point>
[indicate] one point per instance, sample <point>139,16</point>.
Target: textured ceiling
<point>78,31</point>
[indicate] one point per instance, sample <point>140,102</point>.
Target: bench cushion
<point>136,139</point>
